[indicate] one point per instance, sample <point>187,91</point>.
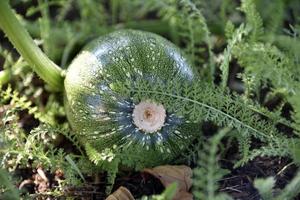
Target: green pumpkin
<point>143,130</point>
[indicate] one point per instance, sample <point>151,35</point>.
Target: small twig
<point>232,189</point>
<point>284,168</point>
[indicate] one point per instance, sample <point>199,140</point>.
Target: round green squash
<point>143,131</point>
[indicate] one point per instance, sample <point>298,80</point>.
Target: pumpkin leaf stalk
<point>22,41</point>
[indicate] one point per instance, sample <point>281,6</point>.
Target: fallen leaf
<point>180,174</point>
<point>121,193</point>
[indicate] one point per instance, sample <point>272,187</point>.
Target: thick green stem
<point>25,45</point>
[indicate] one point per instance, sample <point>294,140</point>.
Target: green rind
<point>118,57</point>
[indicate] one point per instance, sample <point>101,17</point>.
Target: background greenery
<point>247,57</point>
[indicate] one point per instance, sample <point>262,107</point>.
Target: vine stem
<point>22,41</point>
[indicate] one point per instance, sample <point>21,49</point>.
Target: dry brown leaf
<point>121,194</point>
<point>180,174</point>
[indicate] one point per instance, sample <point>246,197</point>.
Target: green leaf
<point>8,190</point>
<point>74,166</point>
<point>265,187</point>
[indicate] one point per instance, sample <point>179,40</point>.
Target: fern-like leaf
<point>236,37</point>
<point>267,63</point>
<point>208,172</point>
<point>253,19</point>
<point>267,192</point>
<point>265,187</point>
<point>189,27</point>
<point>277,147</point>
<point>200,102</point>
<point>291,190</point>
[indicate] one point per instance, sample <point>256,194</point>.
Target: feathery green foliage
<point>273,22</point>
<point>108,160</point>
<point>244,149</point>
<point>265,63</point>
<point>233,41</point>
<point>294,100</point>
<point>266,186</point>
<point>277,147</point>
<point>189,26</point>
<point>214,104</point>
<point>196,19</point>
<point>291,190</point>
<point>7,189</point>
<point>253,19</point>
<point>19,147</point>
<point>209,172</point>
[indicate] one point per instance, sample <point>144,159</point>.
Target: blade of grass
<point>74,166</point>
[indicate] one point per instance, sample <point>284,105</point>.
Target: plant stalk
<point>25,45</point>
